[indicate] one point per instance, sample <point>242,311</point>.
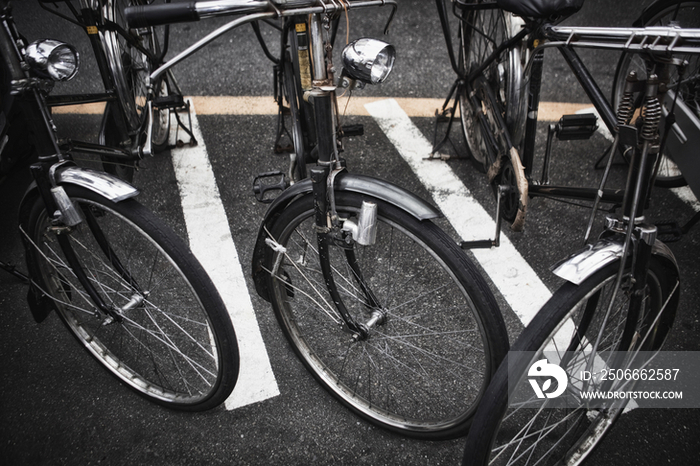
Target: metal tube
<point>209,38</point>
<point>223,7</point>
<point>317,50</point>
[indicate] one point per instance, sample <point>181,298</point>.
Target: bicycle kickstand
<point>447,115</point>
<point>490,243</point>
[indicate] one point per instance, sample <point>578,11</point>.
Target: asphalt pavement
<point>58,406</point>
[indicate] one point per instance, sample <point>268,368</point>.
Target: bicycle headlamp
<point>53,58</point>
<point>369,60</point>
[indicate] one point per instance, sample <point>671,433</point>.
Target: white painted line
<point>211,242</point>
<point>512,275</point>
<point>687,196</point>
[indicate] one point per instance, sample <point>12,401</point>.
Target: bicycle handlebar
<point>168,13</point>
<point>158,15</point>
<point>140,16</point>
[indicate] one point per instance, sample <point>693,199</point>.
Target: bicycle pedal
<point>169,101</point>
<point>267,186</point>
<point>669,232</point>
<point>576,127</point>
<point>352,130</point>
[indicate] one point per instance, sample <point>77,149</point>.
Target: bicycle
<point>125,58</point>
<point>621,292</point>
<point>380,305</point>
<point>509,160</point>
<point>122,282</point>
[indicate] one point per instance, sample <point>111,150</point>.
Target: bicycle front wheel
<point>425,365</point>
<point>166,333</point>
<point>513,426</point>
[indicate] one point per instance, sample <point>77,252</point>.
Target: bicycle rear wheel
<point>167,334</point>
<point>685,14</point>
<point>480,33</point>
<point>494,99</point>
<point>564,332</point>
<point>130,70</point>
<point>424,367</point>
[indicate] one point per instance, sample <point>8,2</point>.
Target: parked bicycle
<point>621,292</point>
<point>380,304</point>
<point>496,52</point>
<point>122,282</point>
<point>125,58</point>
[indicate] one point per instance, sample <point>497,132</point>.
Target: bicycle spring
<point>625,109</point>
<point>651,112</point>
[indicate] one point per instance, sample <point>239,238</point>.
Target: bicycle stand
<point>446,115</point>
<point>176,103</point>
<point>496,242</point>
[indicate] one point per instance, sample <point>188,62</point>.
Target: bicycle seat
<point>540,9</point>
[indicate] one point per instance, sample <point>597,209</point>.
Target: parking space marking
<point>510,272</point>
<point>212,243</point>
<point>266,105</point>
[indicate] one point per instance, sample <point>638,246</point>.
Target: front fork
<point>330,228</point>
<point>66,216</point>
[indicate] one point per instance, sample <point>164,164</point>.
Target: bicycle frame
<point>657,40</point>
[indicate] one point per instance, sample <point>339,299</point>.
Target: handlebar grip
<point>155,15</point>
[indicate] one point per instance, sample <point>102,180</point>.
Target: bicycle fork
<point>65,217</point>
<point>331,230</point>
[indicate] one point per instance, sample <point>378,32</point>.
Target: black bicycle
<point>621,292</point>
<point>381,306</point>
<point>123,283</point>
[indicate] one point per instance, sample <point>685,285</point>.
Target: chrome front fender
<point>101,183</point>
<point>581,265</point>
<point>374,187</point>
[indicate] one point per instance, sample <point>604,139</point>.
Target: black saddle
<point>541,8</point>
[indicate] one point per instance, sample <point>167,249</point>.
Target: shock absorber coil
<point>651,112</point>
<point>625,108</point>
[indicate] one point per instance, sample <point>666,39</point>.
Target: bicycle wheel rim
<point>130,68</point>
<point>166,351</point>
<point>529,432</point>
<point>481,31</point>
<point>382,378</point>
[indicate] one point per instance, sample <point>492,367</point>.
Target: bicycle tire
<point>661,13</point>
<point>168,335</point>
<point>291,94</point>
<point>503,434</point>
<point>480,32</point>
<point>412,375</point>
<point>497,94</point>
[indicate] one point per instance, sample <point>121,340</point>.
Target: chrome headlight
<point>56,59</point>
<point>369,60</point>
